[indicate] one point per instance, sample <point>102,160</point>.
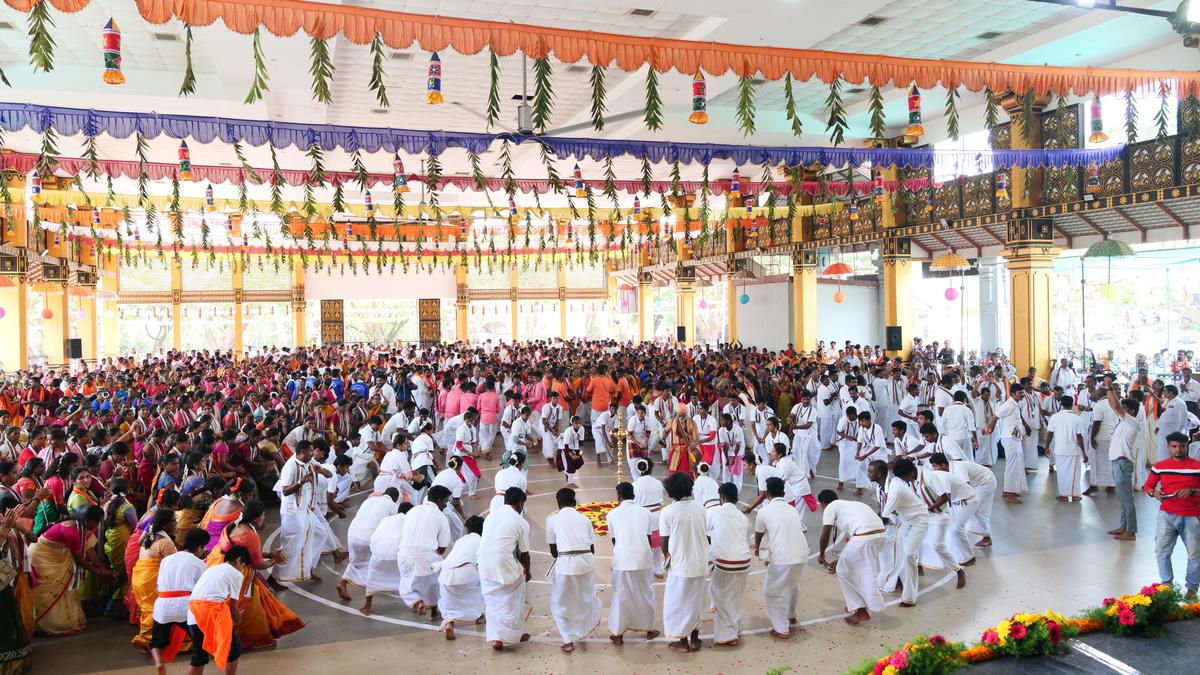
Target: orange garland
<point>400,30</point>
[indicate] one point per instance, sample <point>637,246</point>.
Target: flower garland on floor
<point>595,512</point>
<point>1024,634</point>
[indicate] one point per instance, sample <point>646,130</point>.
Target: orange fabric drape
<point>470,36</point>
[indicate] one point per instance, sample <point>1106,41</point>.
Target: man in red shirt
<point>1175,483</point>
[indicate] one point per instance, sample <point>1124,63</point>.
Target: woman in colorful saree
<point>16,648</point>
<point>119,520</point>
<point>156,544</point>
<point>227,509</point>
<point>264,618</point>
<point>166,499</point>
<point>59,557</point>
<point>88,587</point>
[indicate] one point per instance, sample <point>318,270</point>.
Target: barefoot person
<point>857,567</point>
<point>458,581</point>
<point>729,532</point>
<point>685,548</point>
<point>358,537</point>
<point>504,569</point>
<point>177,575</point>
<point>426,537</point>
<point>781,524</point>
<point>632,529</point>
<point>573,601</point>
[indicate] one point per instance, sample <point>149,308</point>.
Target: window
<point>381,321</point>
<point>490,320</point>
<point>144,329</point>
<point>449,320</point>
<point>665,312</point>
<point>537,319</point>
<point>587,319</point>
<point>266,324</point>
<point>712,313</point>
<point>206,325</point>
<point>970,155</point>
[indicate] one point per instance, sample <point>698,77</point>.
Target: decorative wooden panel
<point>977,195</point>
<point>919,201</point>
<point>1061,130</point>
<point>429,311</point>
<point>1112,178</point>
<point>1152,164</point>
<point>1060,185</point>
<point>868,217</point>
<point>333,327</point>
<point>1189,160</point>
<point>946,201</point>
<point>1002,136</point>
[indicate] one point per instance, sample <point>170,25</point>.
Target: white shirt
<point>785,532</point>
<point>1126,438</point>
<point>571,532</point>
<point>630,526</point>
<point>1008,415</point>
<point>872,442</point>
<point>426,529</point>
<point>648,492</point>
<point>1103,413</point>
<point>958,421</point>
<point>460,567</point>
<point>395,423</point>
<point>1067,428</point>
<point>422,451</point>
<point>177,572</point>
<point>852,519</point>
<point>466,441</point>
<point>385,540</point>
<point>904,502</point>
<point>216,584</point>
<point>639,430</point>
<point>293,471</point>
<point>1173,417</point>
<point>370,513</point>
<point>448,478</point>
<point>683,522</point>
<point>704,490</point>
<point>510,477</point>
<point>959,488</point>
<point>729,531</point>
<point>504,531</point>
<point>976,475</point>
<point>570,438</point>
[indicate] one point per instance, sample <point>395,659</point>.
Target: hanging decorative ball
<point>1097,135</point>
<point>1093,178</point>
<point>1001,185</point>
<point>110,47</point>
<point>95,215</point>
<point>185,161</point>
<point>1108,291</point>
<point>951,294</point>
<point>877,187</point>
<point>744,299</point>
<point>433,85</point>
<point>839,297</point>
<point>914,113</point>
<point>735,184</point>
<point>47,314</point>
<point>209,202</point>
<point>80,314</point>
<point>703,303</point>
<point>399,180</point>
<point>580,191</point>
<point>2,312</point>
<point>699,100</point>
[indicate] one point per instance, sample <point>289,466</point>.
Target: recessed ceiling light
<point>856,90</point>
<point>402,56</point>
<point>641,12</point>
<point>989,35</point>
<point>379,111</point>
<point>873,20</point>
<point>165,37</point>
<point>4,25</point>
<point>522,97</point>
<point>577,68</point>
<point>756,81</point>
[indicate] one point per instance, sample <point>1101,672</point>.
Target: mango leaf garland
<point>836,125</point>
<point>543,93</point>
<point>991,113</point>
<point>789,106</point>
<point>1162,117</point>
<point>1131,116</point>
<point>952,113</point>
<point>321,69</point>
<point>875,104</point>
<point>598,107</point>
<point>41,42</point>
<point>652,115</point>
<point>377,84</point>
<point>258,82</point>
<point>188,86</point>
<point>552,176</point>
<point>745,105</point>
<point>647,175</point>
<point>1028,118</point>
<point>493,102</point>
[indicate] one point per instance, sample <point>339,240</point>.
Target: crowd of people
<point>137,489</point>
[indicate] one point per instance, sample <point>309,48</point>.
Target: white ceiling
<point>914,28</point>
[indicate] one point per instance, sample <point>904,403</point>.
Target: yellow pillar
<point>176,300</point>
<point>512,296</point>
<point>645,307</point>
<point>14,325</point>
<point>685,309</point>
<point>897,290</point>
<point>108,281</point>
<point>462,302</point>
<point>1026,184</point>
<point>732,246</point>
<point>562,301</point>
<point>87,328</point>
<point>1030,255</point>
<point>57,328</point>
<point>235,273</point>
<point>298,304</point>
<point>804,300</point>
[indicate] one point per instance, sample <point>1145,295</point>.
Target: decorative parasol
<point>837,269</point>
<point>1107,249</point>
<point>949,262</point>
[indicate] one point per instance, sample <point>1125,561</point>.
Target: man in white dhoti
<point>964,504</point>
<point>573,601</point>
<point>395,470</point>
<point>1012,430</point>
<point>1064,438</point>
<point>902,503</point>
<point>685,547</point>
<point>460,596</point>
<point>426,537</point>
<point>383,576</point>
<point>782,526</point>
<point>504,569</point>
<point>805,443</point>
<point>603,426</point>
<point>370,445</point>
<point>861,533</point>
<point>729,533</point>
<point>631,528</point>
<point>297,510</point>
<point>552,416</point>
<point>358,537</point>
<point>1104,421</point>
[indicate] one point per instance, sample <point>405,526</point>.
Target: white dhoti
<point>725,589</point>
<point>460,602</point>
<point>504,605</point>
<point>891,558</point>
<point>912,535</point>
<point>359,561</point>
<point>549,445</point>
<point>574,606</point>
<point>418,579</point>
<point>301,543</point>
<point>632,605</point>
<point>601,438</point>
<point>825,428</point>
<point>487,436</point>
<point>1069,472</point>
<point>1029,446</point>
<point>1014,466</point>
<point>936,552</point>
<point>981,524</point>
<point>329,540</point>
<point>858,573</point>
<point>1101,466</point>
<point>456,522</point>
<point>847,464</point>
<point>781,591</point>
<point>958,540</point>
<point>683,606</point>
<point>383,576</point>
<point>985,454</point>
<point>806,447</point>
<point>360,469</point>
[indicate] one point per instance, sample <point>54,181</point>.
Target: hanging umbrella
<point>953,262</point>
<point>837,269</point>
<point>949,262</point>
<point>1107,249</point>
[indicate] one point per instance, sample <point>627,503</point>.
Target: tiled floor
<point>1048,555</point>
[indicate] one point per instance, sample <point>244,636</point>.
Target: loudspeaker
<point>893,338</point>
<point>680,333</point>
<point>74,348</point>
